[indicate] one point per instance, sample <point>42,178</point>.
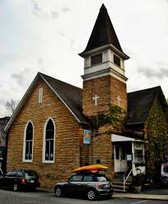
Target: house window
<point>139,157</point>
<point>28,142</point>
<point>40,95</point>
<point>49,140</point>
<point>139,153</point>
<point>96,59</point>
<point>117,61</point>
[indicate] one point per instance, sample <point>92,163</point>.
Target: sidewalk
<point>150,194</point>
<point>141,196</point>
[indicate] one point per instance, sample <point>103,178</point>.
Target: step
<point>118,186</point>
<point>118,183</point>
<point>117,179</point>
<point>120,191</point>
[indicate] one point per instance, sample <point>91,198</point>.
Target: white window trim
<point>24,143</point>
<point>44,136</point>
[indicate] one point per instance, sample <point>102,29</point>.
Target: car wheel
<point>15,187</point>
<point>58,191</point>
<point>91,194</point>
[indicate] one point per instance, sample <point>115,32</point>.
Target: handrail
<point>126,173</point>
<point>125,179</point>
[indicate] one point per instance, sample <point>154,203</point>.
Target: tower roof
<point>103,33</point>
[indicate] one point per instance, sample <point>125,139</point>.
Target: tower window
<point>117,61</point>
<point>96,59</point>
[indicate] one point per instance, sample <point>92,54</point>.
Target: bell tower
<point>104,81</point>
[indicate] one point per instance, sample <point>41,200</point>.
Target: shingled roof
<point>140,103</point>
<point>69,94</point>
<point>103,33</point>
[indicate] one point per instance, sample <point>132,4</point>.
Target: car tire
<point>91,194</point>
<point>15,187</point>
<point>58,191</point>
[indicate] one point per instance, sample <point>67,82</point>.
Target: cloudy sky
<point>47,35</point>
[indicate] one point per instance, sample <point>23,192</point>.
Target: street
<point>10,197</point>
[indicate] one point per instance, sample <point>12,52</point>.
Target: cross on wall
<point>95,98</point>
<point>118,100</point>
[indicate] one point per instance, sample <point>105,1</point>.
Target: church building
<point>51,130</point>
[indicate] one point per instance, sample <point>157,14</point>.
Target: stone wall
<point>67,142</point>
<point>108,89</point>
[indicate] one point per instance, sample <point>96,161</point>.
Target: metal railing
<point>125,178</point>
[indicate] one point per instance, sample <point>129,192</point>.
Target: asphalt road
<point>10,197</point>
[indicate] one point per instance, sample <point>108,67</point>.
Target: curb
<point>140,196</point>
<point>43,189</point>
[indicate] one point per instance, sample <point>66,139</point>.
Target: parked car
<point>18,179</point>
<point>91,185</point>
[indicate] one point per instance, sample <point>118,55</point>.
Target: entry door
<point>120,162</point>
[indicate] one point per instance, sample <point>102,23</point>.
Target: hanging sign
<point>87,136</point>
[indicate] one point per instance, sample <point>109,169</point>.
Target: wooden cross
<point>95,98</point>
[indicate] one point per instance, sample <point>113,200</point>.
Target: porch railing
<point>125,178</point>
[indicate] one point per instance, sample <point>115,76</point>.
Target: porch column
<point>133,159</point>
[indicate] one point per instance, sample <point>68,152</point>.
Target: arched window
<point>49,140</point>
<point>28,142</point>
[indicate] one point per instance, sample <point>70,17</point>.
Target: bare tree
<point>11,105</point>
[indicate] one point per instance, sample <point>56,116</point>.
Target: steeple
<point>103,33</point>
<point>104,81</point>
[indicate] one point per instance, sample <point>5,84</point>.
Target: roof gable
<point>70,95</point>
<point>140,103</point>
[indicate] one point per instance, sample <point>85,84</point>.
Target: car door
<point>73,186</point>
<point>87,182</point>
<point>10,178</point>
<point>6,179</point>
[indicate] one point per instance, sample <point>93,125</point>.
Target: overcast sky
<point>47,35</point>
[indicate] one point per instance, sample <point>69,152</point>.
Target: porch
<point>129,160</point>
